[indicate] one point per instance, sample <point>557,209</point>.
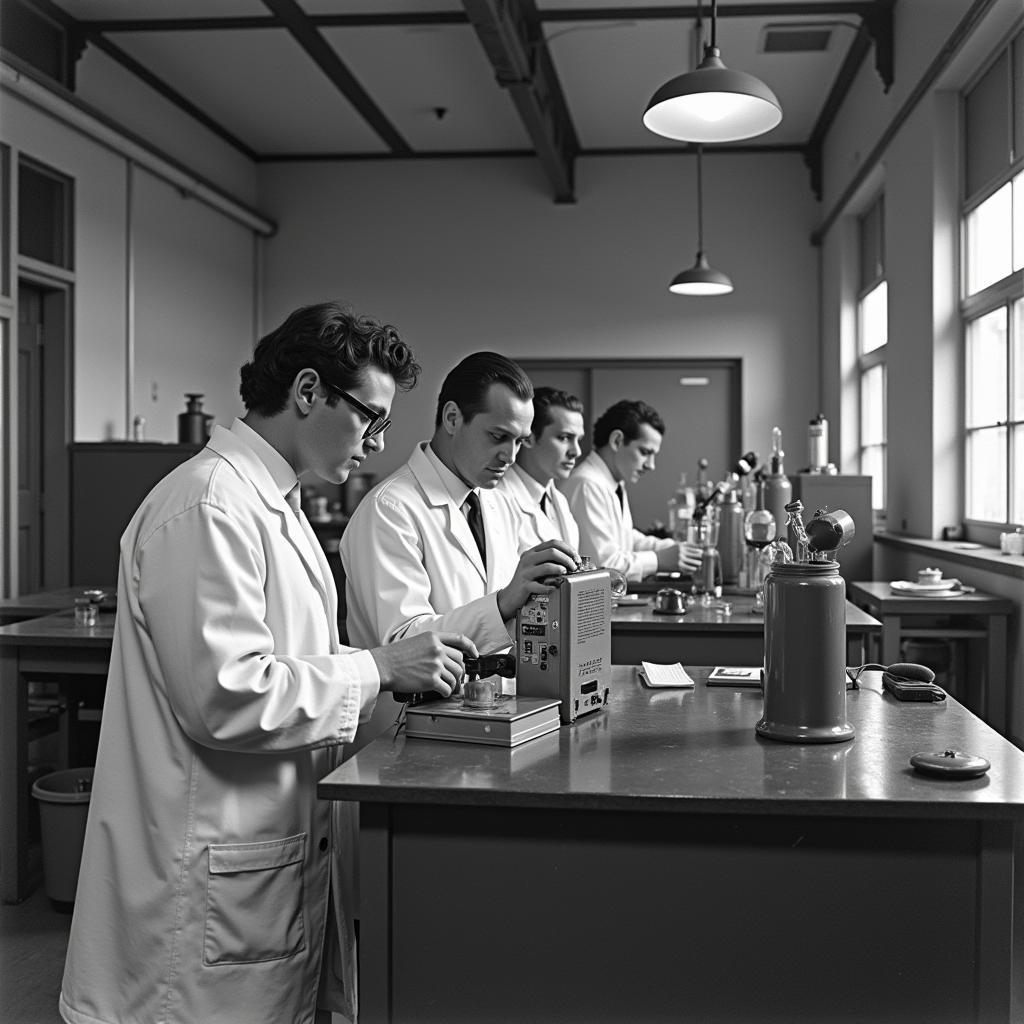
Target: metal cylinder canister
<point>805,654</point>
<point>730,538</point>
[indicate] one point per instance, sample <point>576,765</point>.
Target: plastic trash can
<point>63,808</point>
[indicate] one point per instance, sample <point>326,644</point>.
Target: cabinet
<point>852,494</point>
<point>109,479</point>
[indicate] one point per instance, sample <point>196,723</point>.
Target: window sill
<point>961,552</point>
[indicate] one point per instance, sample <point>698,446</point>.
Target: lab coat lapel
<point>437,496</point>
<point>296,529</point>
<point>526,505</point>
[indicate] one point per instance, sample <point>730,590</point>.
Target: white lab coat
<point>204,883</point>
<point>537,526</point>
<point>412,566</point>
<point>606,528</point>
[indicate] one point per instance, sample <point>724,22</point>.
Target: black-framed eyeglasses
<point>378,422</point>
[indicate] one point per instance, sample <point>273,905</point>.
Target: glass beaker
<point>758,532</point>
<point>707,580</point>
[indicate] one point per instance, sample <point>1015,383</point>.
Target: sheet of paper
<point>664,675</point>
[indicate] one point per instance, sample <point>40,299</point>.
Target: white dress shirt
<point>606,527</point>
<point>536,524</point>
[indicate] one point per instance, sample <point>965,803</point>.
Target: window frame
<point>878,356</point>
<point>1002,294</point>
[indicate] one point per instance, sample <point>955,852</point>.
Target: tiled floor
<point>33,942</point>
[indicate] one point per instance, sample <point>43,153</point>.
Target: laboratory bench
<point>659,861</point>
<point>973,618</point>
<point>51,649</point>
<point>705,635</point>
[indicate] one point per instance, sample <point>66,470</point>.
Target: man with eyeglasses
<point>626,437</point>
<point>214,885</point>
<point>434,545</point>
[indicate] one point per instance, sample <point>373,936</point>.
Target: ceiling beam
<point>814,152</point>
<point>513,40</point>
<point>308,36</point>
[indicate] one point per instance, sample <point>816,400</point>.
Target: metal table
<point>660,861</point>
<point>48,648</point>
<point>974,616</point>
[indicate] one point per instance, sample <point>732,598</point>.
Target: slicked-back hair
<point>626,416</point>
<point>544,400</point>
<point>467,383</point>
<point>329,338</point>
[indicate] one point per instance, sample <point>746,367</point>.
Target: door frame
<point>683,363</point>
<point>58,314</point>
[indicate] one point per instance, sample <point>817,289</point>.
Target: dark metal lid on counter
<point>950,764</point>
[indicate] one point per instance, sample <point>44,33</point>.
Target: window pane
<point>986,475</point>
<point>986,120</point>
<point>872,464</point>
<point>1017,94</point>
<point>872,407</point>
<point>872,245</point>
<point>986,369</point>
<point>874,319</point>
<point>1017,315</point>
<point>989,241</point>
<point>1017,509</point>
<point>1018,218</point>
<point>44,209</point>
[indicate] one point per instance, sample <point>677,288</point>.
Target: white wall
<point>99,257</point>
<point>190,268</point>
<point>106,85</point>
<point>467,255</point>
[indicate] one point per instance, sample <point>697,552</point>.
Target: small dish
<point>628,599</point>
<point>912,586</point>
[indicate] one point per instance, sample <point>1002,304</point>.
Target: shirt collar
<point>534,489</point>
<point>604,472</point>
<point>452,484</point>
<point>277,465</point>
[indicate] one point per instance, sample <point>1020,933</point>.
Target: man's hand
<point>679,557</point>
<point>427,661</point>
<point>551,558</point>
<point>689,557</point>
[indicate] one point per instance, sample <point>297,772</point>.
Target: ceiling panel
<point>412,70</point>
<point>144,10</point>
<point>403,61</point>
<point>379,6</point>
<point>259,84</point>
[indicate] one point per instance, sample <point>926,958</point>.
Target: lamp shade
<point>712,103</point>
<point>701,279</point>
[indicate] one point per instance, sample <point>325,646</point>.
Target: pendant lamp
<point>712,103</point>
<point>701,278</point>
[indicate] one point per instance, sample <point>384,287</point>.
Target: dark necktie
<point>545,503</point>
<point>476,523</point>
<point>621,492</point>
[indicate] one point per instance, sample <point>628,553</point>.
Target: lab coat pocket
<point>254,902</point>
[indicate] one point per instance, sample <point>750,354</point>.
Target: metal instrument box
<point>564,643</point>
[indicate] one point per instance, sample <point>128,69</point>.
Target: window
<point>44,214</point>
<point>993,295</point>
<point>872,339</point>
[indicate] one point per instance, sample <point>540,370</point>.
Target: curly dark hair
<point>627,417</point>
<point>467,384</point>
<point>334,341</point>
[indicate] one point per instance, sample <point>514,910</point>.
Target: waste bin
<point>63,808</point>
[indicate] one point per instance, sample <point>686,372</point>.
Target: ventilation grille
<point>796,38</point>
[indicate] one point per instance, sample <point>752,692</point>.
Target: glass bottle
<point>796,533</point>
